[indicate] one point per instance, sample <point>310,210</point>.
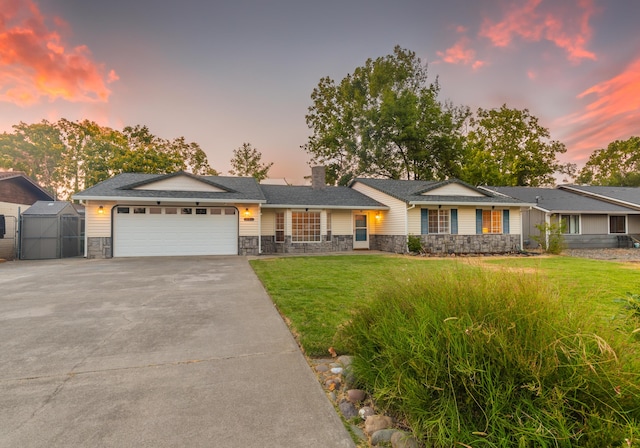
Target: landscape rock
<point>345,360</point>
<point>382,436</point>
<point>356,395</point>
<point>365,412</point>
<point>358,432</point>
<point>401,439</point>
<point>322,368</point>
<point>376,423</point>
<point>348,409</point>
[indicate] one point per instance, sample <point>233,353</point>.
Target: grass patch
<point>473,357</point>
<point>479,351</point>
<point>316,294</point>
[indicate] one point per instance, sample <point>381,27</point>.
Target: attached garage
<point>174,230</point>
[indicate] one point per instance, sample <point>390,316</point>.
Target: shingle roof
<point>49,208</point>
<point>630,195</point>
<point>334,197</point>
<point>412,192</point>
<point>243,189</point>
<point>557,200</point>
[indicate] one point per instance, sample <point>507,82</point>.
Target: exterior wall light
<point>247,213</point>
<point>101,210</point>
<point>378,216</point>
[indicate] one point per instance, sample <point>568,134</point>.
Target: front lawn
<point>317,294</point>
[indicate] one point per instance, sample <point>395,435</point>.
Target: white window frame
<point>305,226</point>
<point>443,221</point>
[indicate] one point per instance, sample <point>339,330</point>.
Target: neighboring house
<point>17,193</point>
<point>588,222</point>
<point>448,216</point>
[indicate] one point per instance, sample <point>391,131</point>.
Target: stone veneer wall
<point>248,245</point>
<point>99,247</point>
<point>338,243</point>
<point>470,244</point>
<point>396,244</point>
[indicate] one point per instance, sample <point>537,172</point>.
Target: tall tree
<point>246,161</point>
<point>508,147</point>
<point>68,156</point>
<point>385,120</point>
<point>616,165</point>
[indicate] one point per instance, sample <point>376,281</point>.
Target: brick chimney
<point>318,178</point>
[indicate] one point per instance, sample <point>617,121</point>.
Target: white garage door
<point>164,231</point>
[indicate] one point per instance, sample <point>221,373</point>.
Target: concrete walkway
<point>153,352</point>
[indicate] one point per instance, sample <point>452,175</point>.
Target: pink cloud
<point>35,63</point>
<point>613,113</point>
<point>460,53</point>
<point>567,28</point>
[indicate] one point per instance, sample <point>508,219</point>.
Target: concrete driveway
<point>152,352</point>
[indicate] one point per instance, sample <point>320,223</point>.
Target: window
<point>139,210</point>
<point>328,226</point>
<point>216,211</point>
<point>617,224</point>
<point>170,211</point>
<point>279,227</point>
<point>155,210</point>
<point>438,221</point>
<point>229,211</point>
<point>201,211</point>
<point>491,221</point>
<point>123,209</point>
<point>305,226</point>
<point>570,224</point>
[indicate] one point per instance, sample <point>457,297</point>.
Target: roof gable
<point>179,183</point>
<point>17,188</point>
<point>452,189</point>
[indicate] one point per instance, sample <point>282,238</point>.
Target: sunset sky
<point>221,73</point>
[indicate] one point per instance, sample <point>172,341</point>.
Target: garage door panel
<point>146,234</point>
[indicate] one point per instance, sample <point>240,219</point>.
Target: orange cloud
<point>35,63</point>
<point>460,53</point>
<point>567,28</point>
<point>614,112</point>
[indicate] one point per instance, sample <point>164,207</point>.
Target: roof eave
<point>326,206</point>
<point>167,199</point>
<point>462,203</point>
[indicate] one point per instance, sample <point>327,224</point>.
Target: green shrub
<point>551,237</point>
<point>492,359</point>
<point>414,244</point>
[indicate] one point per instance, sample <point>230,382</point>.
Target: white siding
<point>268,222</point>
<point>515,221</point>
<point>392,221</point>
<point>341,222</point>
<point>96,224</point>
<point>453,190</point>
<point>414,216</point>
<point>179,183</point>
<point>247,226</point>
<point>466,221</point>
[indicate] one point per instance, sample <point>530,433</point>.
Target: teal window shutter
<point>454,221</point>
<point>424,221</point>
<point>479,221</point>
<point>505,221</point>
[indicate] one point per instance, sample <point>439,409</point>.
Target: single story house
<point>17,193</point>
<point>183,214</point>
<point>589,221</point>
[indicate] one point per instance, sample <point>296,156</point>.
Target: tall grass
<point>480,358</point>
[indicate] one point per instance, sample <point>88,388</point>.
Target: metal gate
<point>45,237</point>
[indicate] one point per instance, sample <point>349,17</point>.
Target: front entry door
<point>360,232</point>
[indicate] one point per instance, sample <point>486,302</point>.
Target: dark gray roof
<point>557,200</point>
<point>50,208</point>
<point>630,195</point>
<point>330,197</point>
<point>412,192</point>
<point>123,186</point>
